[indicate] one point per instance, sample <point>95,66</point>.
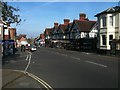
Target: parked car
<point>32,48</point>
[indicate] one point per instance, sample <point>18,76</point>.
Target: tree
<point>8,14</point>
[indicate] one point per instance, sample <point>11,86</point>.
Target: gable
<point>74,28</point>
<point>110,10</point>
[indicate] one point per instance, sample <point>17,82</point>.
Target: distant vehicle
<point>27,46</point>
<point>24,42</point>
<point>32,48</point>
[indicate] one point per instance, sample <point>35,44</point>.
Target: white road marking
<point>96,64</point>
<point>63,54</point>
<point>57,53</point>
<point>75,58</point>
<point>86,53</point>
<point>28,63</point>
<point>27,57</point>
<point>47,86</point>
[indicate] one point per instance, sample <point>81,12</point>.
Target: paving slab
<point>16,79</point>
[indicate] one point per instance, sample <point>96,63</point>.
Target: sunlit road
<point>71,69</point>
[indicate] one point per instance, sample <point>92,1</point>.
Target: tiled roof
<point>48,30</point>
<point>70,24</point>
<point>20,36</point>
<point>55,28</point>
<point>62,27</point>
<point>84,26</point>
<point>110,10</point>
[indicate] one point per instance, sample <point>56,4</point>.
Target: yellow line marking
<point>47,86</point>
<point>27,58</point>
<point>28,63</point>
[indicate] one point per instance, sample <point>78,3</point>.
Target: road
<point>69,69</point>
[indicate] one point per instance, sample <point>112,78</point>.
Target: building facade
<point>109,29</point>
<point>71,34</point>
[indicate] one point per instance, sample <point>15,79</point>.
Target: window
<point>101,24</point>
<point>104,21</point>
<point>110,39</point>
<point>111,21</point>
<point>6,32</point>
<point>103,39</point>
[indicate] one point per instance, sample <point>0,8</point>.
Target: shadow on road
<point>6,59</point>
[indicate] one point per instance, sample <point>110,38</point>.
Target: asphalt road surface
<point>69,69</point>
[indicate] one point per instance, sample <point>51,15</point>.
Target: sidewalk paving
<point>15,79</point>
<point>16,56</point>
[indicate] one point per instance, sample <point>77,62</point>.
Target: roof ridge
<point>110,10</point>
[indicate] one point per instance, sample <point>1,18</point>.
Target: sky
<point>41,15</point>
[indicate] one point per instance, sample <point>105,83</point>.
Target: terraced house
<point>109,30</point>
<point>48,36</point>
<point>72,35</point>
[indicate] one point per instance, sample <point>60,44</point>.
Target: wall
<point>12,33</point>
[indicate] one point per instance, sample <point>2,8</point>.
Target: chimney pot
<point>82,16</point>
<point>55,24</point>
<point>66,21</point>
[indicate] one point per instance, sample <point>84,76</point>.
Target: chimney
<point>82,16</point>
<point>66,21</point>
<point>55,24</point>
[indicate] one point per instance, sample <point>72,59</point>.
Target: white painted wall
<point>83,34</point>
<point>109,30</point>
<point>93,33</point>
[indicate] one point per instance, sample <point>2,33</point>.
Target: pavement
<point>16,78</point>
<point>18,55</point>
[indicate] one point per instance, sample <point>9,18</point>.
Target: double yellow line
<point>42,82</point>
<point>47,86</point>
<point>28,58</point>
